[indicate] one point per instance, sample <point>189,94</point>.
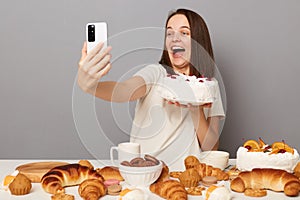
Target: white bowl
<point>218,159</point>
<point>140,176</point>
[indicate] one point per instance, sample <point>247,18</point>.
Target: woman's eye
<point>185,33</point>
<point>170,34</point>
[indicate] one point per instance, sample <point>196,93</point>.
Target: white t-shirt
<point>163,130</point>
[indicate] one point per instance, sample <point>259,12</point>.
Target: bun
<point>110,172</point>
<point>273,179</point>
<point>67,175</point>
<point>92,189</point>
<point>170,189</point>
<point>207,170</point>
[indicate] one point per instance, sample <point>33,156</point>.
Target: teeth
<point>176,49</point>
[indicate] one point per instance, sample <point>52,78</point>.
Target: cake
<point>260,155</point>
<point>189,89</point>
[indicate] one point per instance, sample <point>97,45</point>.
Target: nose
<point>176,37</point>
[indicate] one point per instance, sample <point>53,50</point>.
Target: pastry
<point>92,189</point>
<point>190,178</point>
<point>110,172</point>
<point>62,196</point>
<point>175,174</point>
<point>164,175</point>
<point>86,163</point>
<point>67,175</point>
<point>297,170</point>
<point>191,161</point>
<point>273,179</point>
<point>170,189</point>
<point>21,185</point>
<point>209,180</point>
<point>233,172</point>
<point>197,191</point>
<point>255,192</point>
<point>207,170</point>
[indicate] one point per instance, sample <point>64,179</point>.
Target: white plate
<point>185,101</point>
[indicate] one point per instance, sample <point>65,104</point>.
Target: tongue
<point>178,52</point>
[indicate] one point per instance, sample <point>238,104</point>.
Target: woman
<point>170,132</point>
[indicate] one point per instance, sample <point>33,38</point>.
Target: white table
<point>37,193</point>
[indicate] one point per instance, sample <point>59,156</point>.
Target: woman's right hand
<point>93,66</point>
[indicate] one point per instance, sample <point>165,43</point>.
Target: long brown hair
<point>202,57</point>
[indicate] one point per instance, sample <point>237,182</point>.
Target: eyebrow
<point>169,27</point>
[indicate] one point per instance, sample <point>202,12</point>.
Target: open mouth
<point>177,49</point>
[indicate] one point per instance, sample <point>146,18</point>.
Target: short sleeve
<point>151,74</point>
<point>217,106</point>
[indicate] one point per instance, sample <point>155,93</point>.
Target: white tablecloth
<point>37,193</point>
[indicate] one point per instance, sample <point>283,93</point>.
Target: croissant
<point>92,189</point>
<point>207,170</point>
<point>273,179</point>
<point>169,189</point>
<point>67,175</point>
<point>86,163</point>
<point>110,172</point>
<point>164,175</point>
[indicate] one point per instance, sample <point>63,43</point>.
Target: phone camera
<point>91,33</point>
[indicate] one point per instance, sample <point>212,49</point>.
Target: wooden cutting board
<point>36,170</point>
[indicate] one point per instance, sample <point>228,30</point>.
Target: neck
<point>185,70</point>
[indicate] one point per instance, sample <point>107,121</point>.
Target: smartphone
<point>96,32</point>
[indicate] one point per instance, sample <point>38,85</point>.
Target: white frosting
<point>189,89</point>
<point>135,194</point>
<point>220,193</point>
<point>246,161</point>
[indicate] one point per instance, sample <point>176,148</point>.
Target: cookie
<point>114,189</point>
<point>148,157</point>
<point>126,163</point>
<point>62,196</point>
<point>111,182</point>
<point>209,180</point>
<point>147,163</point>
<point>137,161</point>
<point>255,192</point>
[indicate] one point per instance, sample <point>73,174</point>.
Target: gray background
<point>42,112</point>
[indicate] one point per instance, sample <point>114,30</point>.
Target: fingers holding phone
<point>95,56</point>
